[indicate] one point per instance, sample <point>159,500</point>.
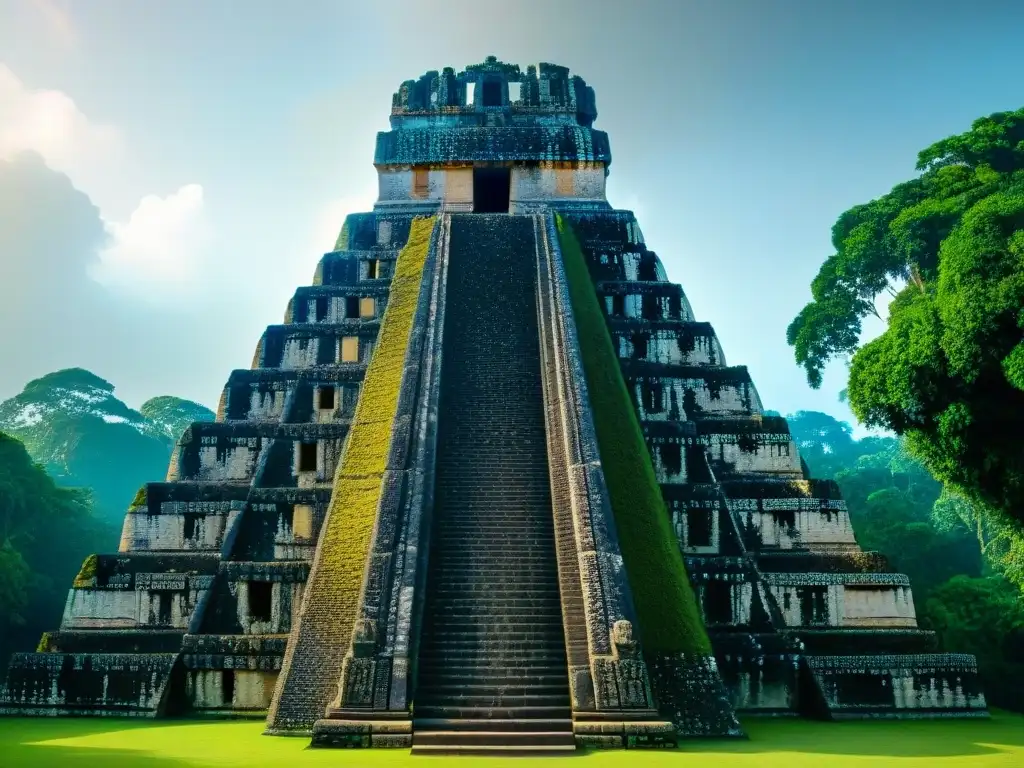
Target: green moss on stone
<point>45,643</point>
<point>87,573</point>
<point>357,484</point>
<point>666,607</point>
<point>141,497</point>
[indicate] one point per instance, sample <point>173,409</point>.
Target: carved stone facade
<point>200,609</point>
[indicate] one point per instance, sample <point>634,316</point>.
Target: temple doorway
<point>491,189</point>
<point>492,93</point>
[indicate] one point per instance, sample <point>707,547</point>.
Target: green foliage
<point>948,373</point>
<point>953,551</point>
<point>170,416</point>
<point>983,616</point>
<point>348,529</point>
<point>87,573</point>
<point>45,531</point>
<point>666,607</point>
<point>71,422</point>
<point>15,583</point>
<point>141,497</point>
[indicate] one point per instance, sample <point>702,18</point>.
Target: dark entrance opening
<point>261,600</point>
<point>492,93</point>
<point>491,190</point>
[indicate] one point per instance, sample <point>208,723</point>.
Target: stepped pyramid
<point>490,486</point>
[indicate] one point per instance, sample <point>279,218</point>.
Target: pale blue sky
<point>222,142</point>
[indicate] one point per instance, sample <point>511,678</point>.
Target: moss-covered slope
<point>670,620</point>
<point>313,660</point>
<point>353,508</point>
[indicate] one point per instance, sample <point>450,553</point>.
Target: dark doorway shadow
<point>491,190</point>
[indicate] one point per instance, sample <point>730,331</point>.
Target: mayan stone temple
<point>490,486</point>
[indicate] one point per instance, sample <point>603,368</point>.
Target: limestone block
<point>869,606</point>
<point>266,405</point>
<point>253,689</point>
<point>790,523</point>
<point>103,608</point>
<point>231,460</point>
<point>300,353</point>
<point>458,188</point>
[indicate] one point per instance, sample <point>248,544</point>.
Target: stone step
<point>494,592</point>
<point>527,675</point>
<point>501,531</point>
<point>523,633</point>
<point>420,725</point>
<point>500,604</point>
<point>502,560</point>
<point>452,691</point>
<point>498,665</point>
<point>493,626</point>
<point>438,657</point>
<point>459,641</point>
<point>494,698</point>
<point>493,742</point>
<point>481,572</point>
<point>441,616</point>
<point>497,626</point>
<point>493,713</point>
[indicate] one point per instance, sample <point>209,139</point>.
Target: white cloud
<point>165,239</point>
<point>50,123</point>
<point>161,246</point>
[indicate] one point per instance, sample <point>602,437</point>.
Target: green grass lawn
<point>122,743</point>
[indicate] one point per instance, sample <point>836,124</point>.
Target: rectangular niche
<point>326,398</point>
<point>367,307</point>
<point>420,182</point>
<point>307,457</point>
<point>260,594</point>
<point>350,349</point>
<point>515,92</point>
<point>302,522</point>
<point>351,307</point>
<point>698,527</point>
<point>470,93</point>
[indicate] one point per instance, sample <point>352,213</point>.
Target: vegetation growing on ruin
<point>349,527</point>
<point>966,572</point>
<point>948,373</point>
<point>87,572</point>
<point>141,497</point>
<point>666,606</point>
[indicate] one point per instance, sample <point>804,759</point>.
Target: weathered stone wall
<point>197,526</point>
<point>774,550</point>
<point>796,522</point>
<point>926,685</point>
<point>535,183</point>
<point>844,600</point>
<point>88,684</point>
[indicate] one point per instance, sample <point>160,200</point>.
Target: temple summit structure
<point>490,485</point>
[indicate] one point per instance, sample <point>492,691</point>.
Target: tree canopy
<point>45,531</point>
<point>967,570</point>
<point>948,372</point>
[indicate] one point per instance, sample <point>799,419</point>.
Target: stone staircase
<point>492,666</point>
